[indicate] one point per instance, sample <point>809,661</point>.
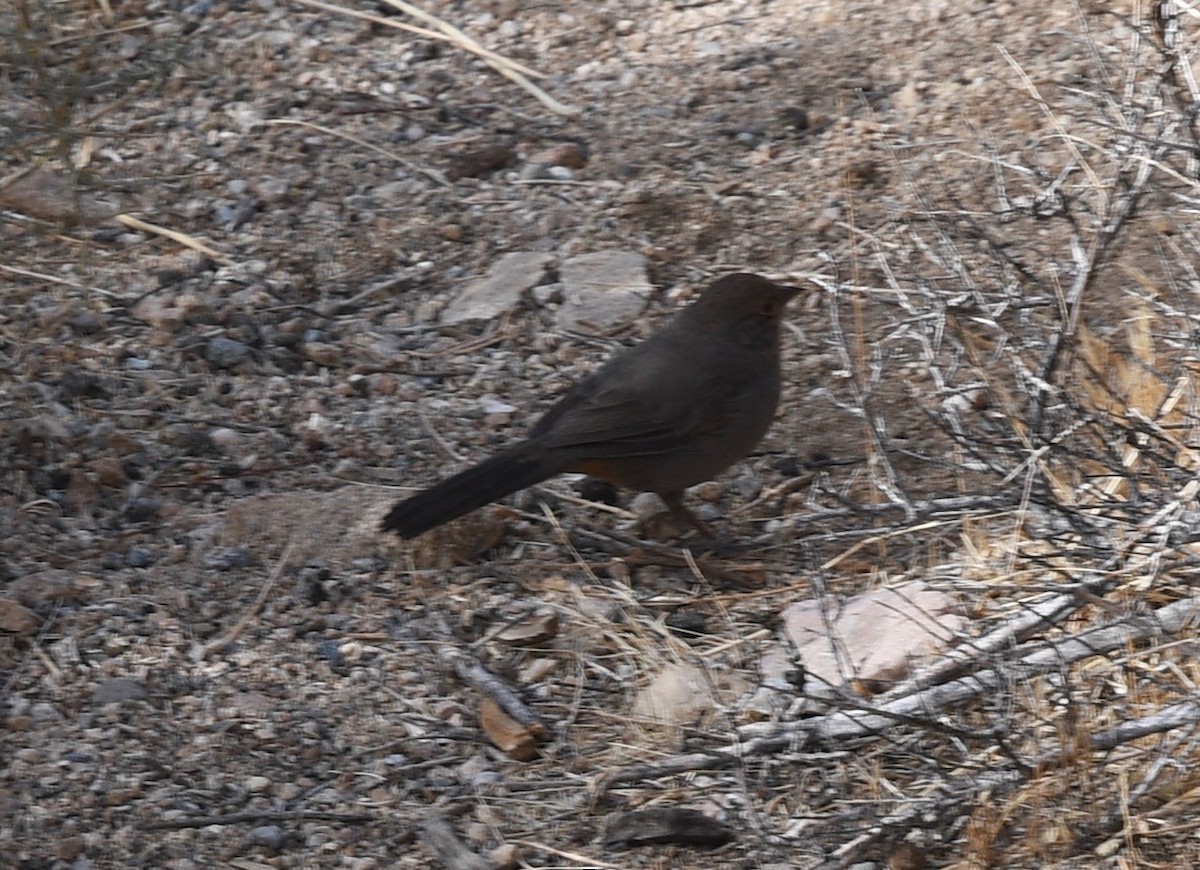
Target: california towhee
<point>673,411</point>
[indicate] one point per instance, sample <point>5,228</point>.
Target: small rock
<point>17,619</point>
<point>50,586</point>
<point>44,711</point>
<point>68,848</point>
<point>258,784</point>
<point>323,354</point>
<point>139,557</point>
<point>141,509</point>
<point>192,440</point>
<point>230,558</point>
<point>646,505</point>
<point>683,694</point>
<point>569,154</point>
<point>603,289</point>
<point>509,280</point>
<point>109,471</point>
<point>269,837</point>
<point>118,690</point>
<point>474,770</point>
<point>426,311</point>
<point>394,192</point>
<point>492,405</point>
<point>272,190</point>
<point>225,353</point>
<point>794,119</point>
<point>534,172</point>
<point>79,384</point>
<point>86,322</point>
<point>481,161</point>
<point>330,651</point>
<point>224,439</point>
<point>505,857</point>
<point>908,100</point>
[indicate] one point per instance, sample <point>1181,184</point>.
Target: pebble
<point>272,190</point>
<point>86,322</point>
<point>492,405</point>
<point>230,558</point>
<point>794,119</point>
<point>646,505</point>
<point>141,510</point>
<point>225,353</point>
<point>118,690</point>
<point>225,439</point>
<point>569,154</point>
<point>139,557</point>
<point>330,651</point>
<point>534,172</point>
<point>505,857</point>
<point>269,837</point>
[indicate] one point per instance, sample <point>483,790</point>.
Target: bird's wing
<point>633,407</point>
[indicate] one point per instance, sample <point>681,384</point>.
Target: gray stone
<point>603,289</point>
<point>118,690</point>
<point>225,353</point>
<point>512,277</point>
<point>269,836</point>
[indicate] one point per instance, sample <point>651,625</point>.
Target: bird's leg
<point>674,503</point>
<point>712,543</point>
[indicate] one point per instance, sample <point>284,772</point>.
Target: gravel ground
<point>209,656</point>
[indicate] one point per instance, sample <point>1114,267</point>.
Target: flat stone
<point>118,690</point>
<point>603,289</point>
<point>225,353</point>
<point>17,619</point>
<point>872,640</point>
<point>510,279</point>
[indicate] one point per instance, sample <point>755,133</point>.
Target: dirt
<point>211,654</point>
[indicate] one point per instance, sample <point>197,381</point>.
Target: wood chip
<point>506,733</point>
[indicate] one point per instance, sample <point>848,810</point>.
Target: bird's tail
<point>514,469</point>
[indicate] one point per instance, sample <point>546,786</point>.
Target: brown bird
<point>673,411</point>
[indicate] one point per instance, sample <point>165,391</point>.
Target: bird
<point>661,416</point>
